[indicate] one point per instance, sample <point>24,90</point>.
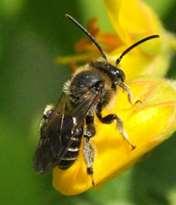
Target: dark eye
<point>120,74</point>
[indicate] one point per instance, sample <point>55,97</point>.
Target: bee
<point>71,121</point>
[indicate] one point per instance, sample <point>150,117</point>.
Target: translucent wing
<point>58,129</point>
<point>50,138</point>
<point>79,113</point>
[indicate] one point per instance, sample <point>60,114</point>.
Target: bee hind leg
<point>88,150</point>
<point>46,114</point>
<point>47,111</point>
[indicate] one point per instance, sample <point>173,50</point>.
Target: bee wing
<point>50,138</point>
<point>59,113</point>
<point>51,147</point>
<point>80,112</point>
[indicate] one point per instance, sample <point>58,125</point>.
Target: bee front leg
<point>129,94</point>
<point>108,119</point>
<point>87,147</point>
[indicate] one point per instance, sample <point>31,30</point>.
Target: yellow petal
<point>147,124</point>
<point>139,63</point>
<point>132,21</point>
<point>132,18</point>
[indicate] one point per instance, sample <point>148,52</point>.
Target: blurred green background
<point>32,34</point>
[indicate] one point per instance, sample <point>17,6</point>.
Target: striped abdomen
<point>71,153</point>
<point>72,143</point>
<point>60,139</point>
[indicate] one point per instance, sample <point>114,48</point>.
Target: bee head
<point>116,75</point>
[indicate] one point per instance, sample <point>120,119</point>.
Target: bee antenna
<point>89,35</point>
<point>133,46</point>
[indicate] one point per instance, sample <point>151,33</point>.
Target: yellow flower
<point>132,21</point>
<point>147,123</point>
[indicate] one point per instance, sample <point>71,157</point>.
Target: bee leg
<point>88,157</point>
<point>129,94</point>
<point>90,128</point>
<point>46,114</point>
<point>108,119</point>
<point>87,147</point>
<point>47,111</point>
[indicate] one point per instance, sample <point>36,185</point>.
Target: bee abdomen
<point>71,153</point>
<point>69,158</point>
